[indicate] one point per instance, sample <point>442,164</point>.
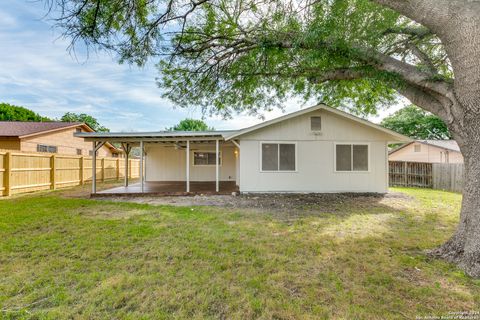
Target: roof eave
<point>52,130</point>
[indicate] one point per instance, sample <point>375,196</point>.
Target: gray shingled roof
<point>445,144</point>
<point>24,128</point>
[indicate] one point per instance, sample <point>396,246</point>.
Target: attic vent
<point>315,123</point>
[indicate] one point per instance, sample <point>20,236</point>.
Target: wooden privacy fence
<point>448,176</point>
<point>443,176</point>
<point>410,174</point>
<point>27,172</point>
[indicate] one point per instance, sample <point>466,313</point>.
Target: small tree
<point>417,124</point>
<point>191,125</point>
<point>85,118</point>
<point>10,112</point>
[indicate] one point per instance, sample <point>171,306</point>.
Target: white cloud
<point>7,21</point>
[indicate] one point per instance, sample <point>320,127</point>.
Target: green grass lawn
<point>77,258</point>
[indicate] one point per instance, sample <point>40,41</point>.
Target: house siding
<point>10,144</point>
<point>428,153</point>
<point>315,167</point>
<point>64,141</point>
<point>168,164</point>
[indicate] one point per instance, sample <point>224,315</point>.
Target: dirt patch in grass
<point>285,204</point>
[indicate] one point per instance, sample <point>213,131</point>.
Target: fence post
<point>7,174</point>
<point>405,176</point>
<point>52,172</point>
<point>103,169</point>
<point>118,168</point>
<point>82,165</point>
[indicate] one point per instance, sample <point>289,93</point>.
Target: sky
<point>38,72</point>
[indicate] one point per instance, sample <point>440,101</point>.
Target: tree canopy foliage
<point>417,124</point>
<point>249,55</point>
<point>10,112</point>
<point>191,125</point>
<point>83,117</point>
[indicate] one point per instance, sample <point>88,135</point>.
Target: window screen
<point>45,148</point>
<point>351,157</point>
<point>417,148</point>
<point>360,157</point>
<point>287,157</point>
<point>278,157</point>
<point>344,157</point>
<point>269,157</point>
<point>52,149</point>
<point>205,158</point>
<point>316,123</point>
<point>79,152</point>
<point>78,130</point>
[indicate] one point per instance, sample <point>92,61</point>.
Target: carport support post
<point>217,173</point>
<point>96,146</point>
<point>141,164</point>
<point>187,168</point>
<point>94,167</point>
<point>127,151</point>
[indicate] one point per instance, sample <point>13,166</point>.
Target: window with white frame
<point>205,158</point>
<point>351,157</point>
<point>279,157</point>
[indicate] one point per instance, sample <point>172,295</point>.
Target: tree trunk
<point>463,248</point>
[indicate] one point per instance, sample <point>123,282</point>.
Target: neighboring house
<point>318,149</point>
<point>433,151</point>
<point>50,137</point>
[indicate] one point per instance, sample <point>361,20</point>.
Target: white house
<point>318,149</point>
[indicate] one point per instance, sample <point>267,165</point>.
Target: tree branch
<point>431,13</point>
<point>338,74</point>
<point>424,58</point>
<point>422,99</point>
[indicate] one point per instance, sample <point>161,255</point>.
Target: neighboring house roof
<point>231,134</point>
<point>444,144</point>
<point>451,145</point>
<point>25,129</point>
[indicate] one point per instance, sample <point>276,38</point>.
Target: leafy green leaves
<point>85,118</point>
<point>10,112</point>
<point>258,66</point>
<point>417,124</point>
<point>252,55</point>
<point>191,125</point>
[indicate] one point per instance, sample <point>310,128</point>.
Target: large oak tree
<point>233,56</point>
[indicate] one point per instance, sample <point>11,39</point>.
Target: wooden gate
<point>410,174</point>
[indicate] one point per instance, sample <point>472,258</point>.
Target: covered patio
<point>173,163</point>
<point>170,188</point>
